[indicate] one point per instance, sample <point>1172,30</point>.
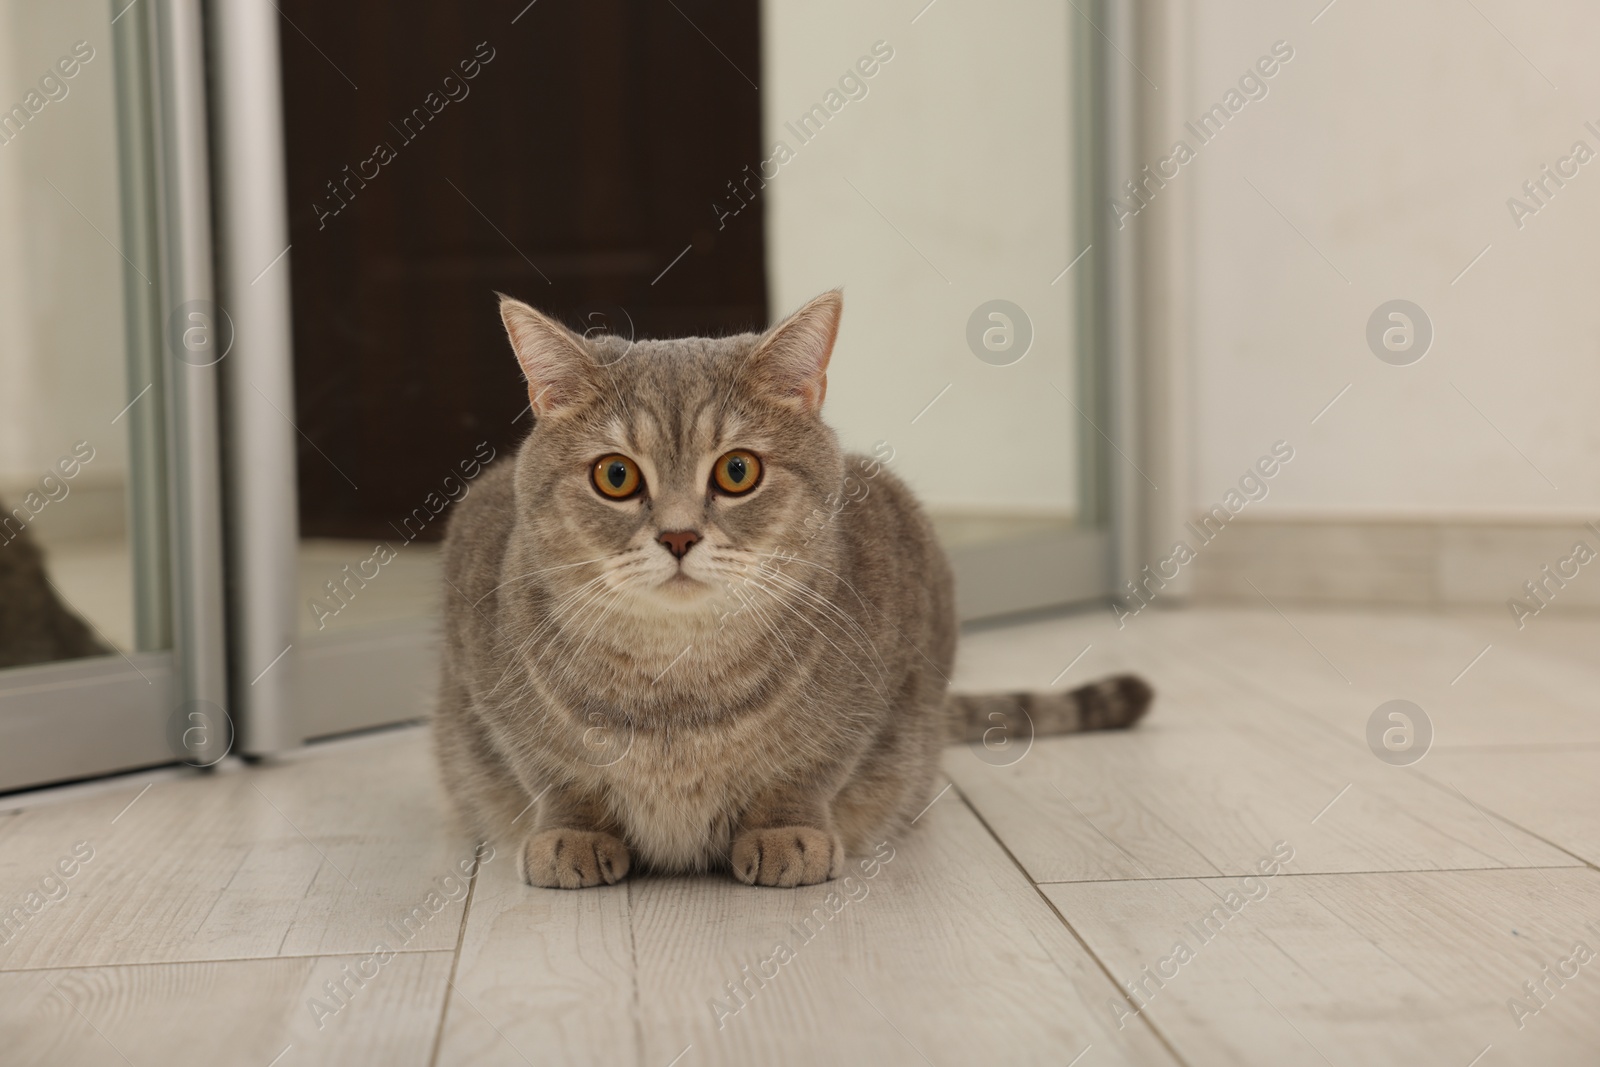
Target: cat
<point>35,626</point>
<point>672,641</point>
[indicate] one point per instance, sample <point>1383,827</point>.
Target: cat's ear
<point>553,358</point>
<point>790,360</point>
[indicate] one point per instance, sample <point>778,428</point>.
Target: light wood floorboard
<point>948,953</point>
<point>542,977</point>
<point>313,855</point>
<point>1354,969</point>
<point>233,1012</point>
<point>1215,776</point>
<point>877,962</point>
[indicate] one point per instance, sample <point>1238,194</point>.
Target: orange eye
<point>617,476</point>
<point>737,472</point>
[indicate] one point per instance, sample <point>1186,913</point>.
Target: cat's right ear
<point>553,358</point>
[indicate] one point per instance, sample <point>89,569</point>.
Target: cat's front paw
<point>787,856</point>
<point>573,859</point>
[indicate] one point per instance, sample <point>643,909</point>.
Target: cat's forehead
<point>675,395</point>
<point>708,355</point>
<point>669,436</point>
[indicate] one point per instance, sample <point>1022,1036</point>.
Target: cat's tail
<point>1113,703</point>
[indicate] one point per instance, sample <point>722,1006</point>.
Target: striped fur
<point>1114,703</point>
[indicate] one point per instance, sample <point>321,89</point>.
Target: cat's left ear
<point>791,360</point>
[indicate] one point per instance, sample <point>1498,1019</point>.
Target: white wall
<point>1392,142</point>
<point>963,143</point>
<point>62,375</point>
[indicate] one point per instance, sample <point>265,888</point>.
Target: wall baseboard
<point>1417,563</point>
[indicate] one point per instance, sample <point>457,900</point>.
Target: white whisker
<point>849,659</point>
<point>535,574</point>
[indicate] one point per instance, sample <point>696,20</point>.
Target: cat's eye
<point>737,472</point>
<point>617,476</point>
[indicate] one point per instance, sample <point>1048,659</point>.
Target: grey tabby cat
<point>685,630</point>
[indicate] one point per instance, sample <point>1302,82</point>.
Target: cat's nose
<point>679,542</point>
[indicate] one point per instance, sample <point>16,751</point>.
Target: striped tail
<point>1113,703</point>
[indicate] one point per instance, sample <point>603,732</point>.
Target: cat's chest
<point>678,795</point>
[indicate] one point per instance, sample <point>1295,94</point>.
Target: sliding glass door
<point>110,564</point>
<point>940,167</point>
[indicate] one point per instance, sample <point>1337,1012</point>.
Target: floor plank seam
<point>1105,969</point>
<point>638,1006</point>
<point>1447,788</point>
<point>1532,749</point>
<point>216,959</point>
<point>455,962</point>
<point>1580,865</point>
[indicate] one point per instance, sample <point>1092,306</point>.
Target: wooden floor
<point>1083,901</point>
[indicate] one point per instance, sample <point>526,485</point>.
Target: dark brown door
<point>573,154</point>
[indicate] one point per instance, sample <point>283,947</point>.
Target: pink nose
<point>679,542</point>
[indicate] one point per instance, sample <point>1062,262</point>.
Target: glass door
<point>939,167</point>
<point>109,520</point>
